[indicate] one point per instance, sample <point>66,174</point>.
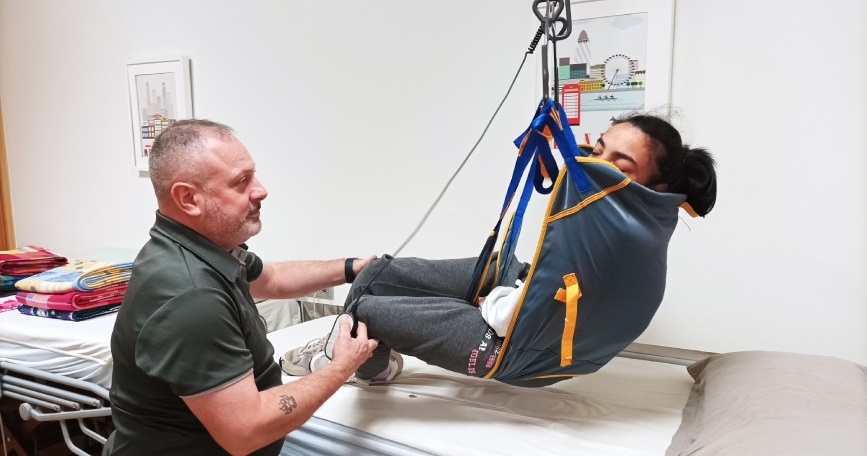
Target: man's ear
<point>663,187</point>
<point>186,197</point>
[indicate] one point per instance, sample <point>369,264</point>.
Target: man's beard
<point>230,230</point>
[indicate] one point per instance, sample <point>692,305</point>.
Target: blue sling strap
<point>534,150</point>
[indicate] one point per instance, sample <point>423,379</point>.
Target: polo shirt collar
<point>223,262</point>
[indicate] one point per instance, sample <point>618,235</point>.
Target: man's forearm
<point>293,279</point>
<point>282,409</point>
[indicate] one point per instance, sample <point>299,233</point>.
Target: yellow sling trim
<point>475,300</point>
<point>556,117</point>
<point>590,200</point>
<point>689,210</point>
<point>523,143</point>
<point>529,278</point>
<point>542,168</point>
<point>573,293</point>
<point>557,376</point>
<point>499,258</point>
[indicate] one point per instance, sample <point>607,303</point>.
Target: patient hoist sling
<point>598,274</point>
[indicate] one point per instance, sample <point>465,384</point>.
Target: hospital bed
<point>644,402</point>
<point>60,371</point>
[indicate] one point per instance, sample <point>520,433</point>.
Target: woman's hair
<point>686,170</point>
<point>176,152</point>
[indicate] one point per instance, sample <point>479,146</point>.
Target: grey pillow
<point>773,403</point>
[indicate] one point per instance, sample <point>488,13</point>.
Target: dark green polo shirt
<point>187,326</point>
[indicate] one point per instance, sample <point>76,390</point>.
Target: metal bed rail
<point>663,354</point>
<point>43,398</point>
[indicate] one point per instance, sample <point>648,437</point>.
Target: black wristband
<point>348,271</point>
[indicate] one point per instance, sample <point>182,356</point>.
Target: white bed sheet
<point>74,349</point>
<point>629,407</point>
<point>82,349</point>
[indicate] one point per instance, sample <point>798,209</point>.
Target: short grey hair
<point>177,151</point>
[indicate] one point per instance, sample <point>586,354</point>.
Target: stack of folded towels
<point>21,263</point>
<point>8,303</point>
<point>76,291</point>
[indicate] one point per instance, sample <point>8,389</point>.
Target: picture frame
<point>617,59</point>
<point>159,93</point>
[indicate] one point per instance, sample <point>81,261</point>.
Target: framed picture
<point>616,60</point>
<point>159,94</point>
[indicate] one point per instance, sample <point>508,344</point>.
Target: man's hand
<point>351,352</point>
<point>361,263</point>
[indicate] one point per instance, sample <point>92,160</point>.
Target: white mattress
<point>629,407</point>
<point>75,349</point>
<point>82,349</point>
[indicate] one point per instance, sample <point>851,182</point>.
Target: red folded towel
<point>28,261</point>
<point>74,300</point>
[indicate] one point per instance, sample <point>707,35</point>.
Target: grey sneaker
<point>395,366</point>
<point>304,360</point>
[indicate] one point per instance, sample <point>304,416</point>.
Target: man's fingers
<point>345,325</point>
<point>361,334</point>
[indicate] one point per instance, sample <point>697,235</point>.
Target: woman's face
<point>631,150</point>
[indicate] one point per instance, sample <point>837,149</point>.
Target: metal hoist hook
<point>551,14</point>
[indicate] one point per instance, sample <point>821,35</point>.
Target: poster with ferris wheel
<point>617,60</point>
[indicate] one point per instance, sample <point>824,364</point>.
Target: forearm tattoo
<point>287,404</point>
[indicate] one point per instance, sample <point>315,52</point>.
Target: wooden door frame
<point>7,231</point>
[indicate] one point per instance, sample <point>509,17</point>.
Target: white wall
<point>779,93</point>
<point>358,112</point>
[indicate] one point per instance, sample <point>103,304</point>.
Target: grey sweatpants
<point>415,306</point>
